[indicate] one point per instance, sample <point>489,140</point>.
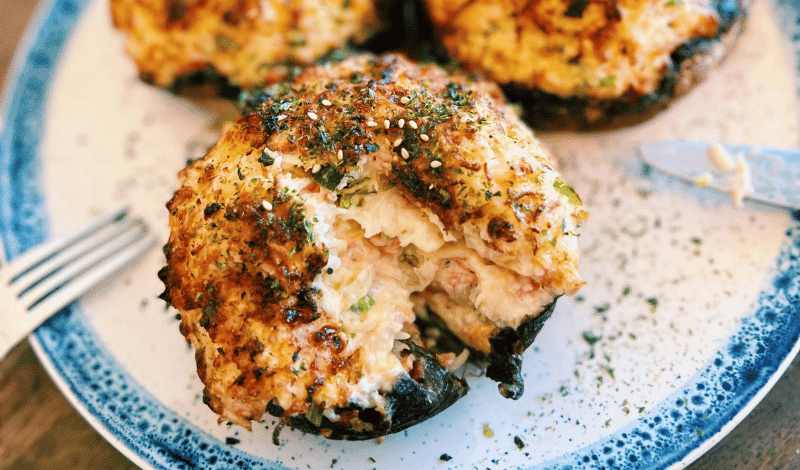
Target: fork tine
<point>57,260</point>
<point>71,291</point>
<point>78,267</point>
<point>36,256</point>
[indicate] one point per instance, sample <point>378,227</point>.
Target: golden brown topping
<point>585,48</point>
<point>298,242</point>
<point>248,41</point>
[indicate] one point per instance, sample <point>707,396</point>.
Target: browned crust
<point>410,401</point>
<point>693,61</point>
<point>242,255</point>
<point>249,42</point>
<point>410,30</point>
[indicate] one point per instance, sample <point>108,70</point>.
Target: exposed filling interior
<point>389,262</point>
<point>339,344</point>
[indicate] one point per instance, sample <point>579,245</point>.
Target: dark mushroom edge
<point>409,402</point>
<point>412,401</point>
<point>505,359</point>
<point>410,31</point>
<point>503,364</point>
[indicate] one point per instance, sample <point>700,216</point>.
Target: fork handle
<point>18,324</point>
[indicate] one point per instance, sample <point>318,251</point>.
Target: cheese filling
<point>388,262</point>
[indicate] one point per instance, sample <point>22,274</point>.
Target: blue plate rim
<point>163,440</point>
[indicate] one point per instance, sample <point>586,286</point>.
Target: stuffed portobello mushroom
<point>589,64</point>
<point>237,43</point>
<point>341,218</point>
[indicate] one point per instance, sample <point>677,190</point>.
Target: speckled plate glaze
<point>690,313</point>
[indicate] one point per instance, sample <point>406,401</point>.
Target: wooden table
<point>39,429</point>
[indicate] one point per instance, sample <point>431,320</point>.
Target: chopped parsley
<point>314,414</point>
<point>608,81</point>
<point>590,338</point>
<point>265,159</point>
<point>565,190</point>
<point>363,305</point>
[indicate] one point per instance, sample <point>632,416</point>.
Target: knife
<point>763,174</point>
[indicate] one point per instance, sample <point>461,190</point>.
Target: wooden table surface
<point>39,429</point>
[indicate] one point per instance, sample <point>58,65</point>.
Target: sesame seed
<point>397,142</point>
<point>430,187</point>
<point>316,168</point>
<point>436,164</point>
<point>424,137</point>
<point>340,154</point>
<point>405,100</point>
<point>386,123</point>
<point>464,118</point>
<point>312,115</point>
<point>401,123</point>
<point>404,153</point>
<point>326,103</point>
<point>266,205</point>
<point>413,124</point>
<point>371,123</point>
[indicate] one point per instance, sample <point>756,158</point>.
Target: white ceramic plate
<point>690,314</point>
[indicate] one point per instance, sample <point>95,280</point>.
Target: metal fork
<point>43,280</point>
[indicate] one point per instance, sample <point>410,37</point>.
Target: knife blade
<point>773,174</point>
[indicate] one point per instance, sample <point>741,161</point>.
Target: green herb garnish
<point>565,190</point>
<point>363,304</point>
